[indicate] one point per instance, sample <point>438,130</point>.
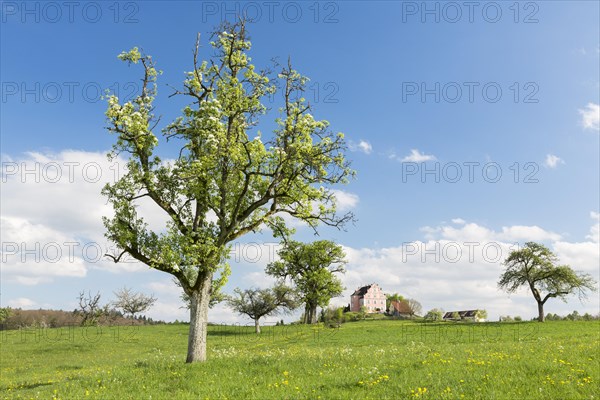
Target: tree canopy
<point>435,314</point>
<point>311,268</point>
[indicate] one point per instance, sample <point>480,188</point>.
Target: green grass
<point>369,359</point>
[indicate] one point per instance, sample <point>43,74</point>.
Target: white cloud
<point>22,302</point>
<point>259,279</point>
<point>345,200</point>
<point>590,116</point>
<point>584,256</point>
<point>51,203</point>
<point>520,233</point>
<point>166,287</point>
<point>472,232</point>
<point>458,221</point>
<point>168,311</point>
<point>553,161</point>
<point>35,253</point>
<point>222,314</point>
<point>416,156</point>
<point>362,146</point>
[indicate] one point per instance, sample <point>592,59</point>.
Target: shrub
<point>333,316</point>
<point>351,316</point>
<point>434,315</point>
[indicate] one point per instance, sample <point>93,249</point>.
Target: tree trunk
<point>310,314</point>
<point>313,315</point>
<point>256,326</point>
<point>540,311</point>
<point>306,319</point>
<point>198,322</point>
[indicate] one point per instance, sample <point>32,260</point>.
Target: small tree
<point>434,314</point>
<point>90,308</point>
<point>535,266</point>
<point>311,268</point>
<point>5,312</point>
<point>587,317</point>
<point>481,314</point>
<point>362,313</point>
<point>333,316</point>
<point>258,303</point>
<point>414,307</point>
<point>574,316</point>
<point>133,303</point>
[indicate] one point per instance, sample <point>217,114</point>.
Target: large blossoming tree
<point>223,184</point>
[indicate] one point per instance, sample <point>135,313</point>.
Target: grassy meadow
<point>360,360</point>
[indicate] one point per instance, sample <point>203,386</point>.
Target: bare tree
<point>414,307</point>
<point>90,308</point>
<point>258,303</point>
<point>132,303</point>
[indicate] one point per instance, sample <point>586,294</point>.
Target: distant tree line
<point>574,316</point>
<point>20,319</point>
<point>90,312</point>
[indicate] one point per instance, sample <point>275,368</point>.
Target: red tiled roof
<point>400,306</point>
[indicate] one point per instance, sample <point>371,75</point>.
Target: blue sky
<point>494,89</point>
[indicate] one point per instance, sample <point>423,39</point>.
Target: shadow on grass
<point>69,367</point>
<point>34,385</point>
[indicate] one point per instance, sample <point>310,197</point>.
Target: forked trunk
<point>310,314</point>
<point>198,322</point>
<point>256,326</point>
<point>540,311</point>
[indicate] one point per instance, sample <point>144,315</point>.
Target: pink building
<point>370,296</point>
